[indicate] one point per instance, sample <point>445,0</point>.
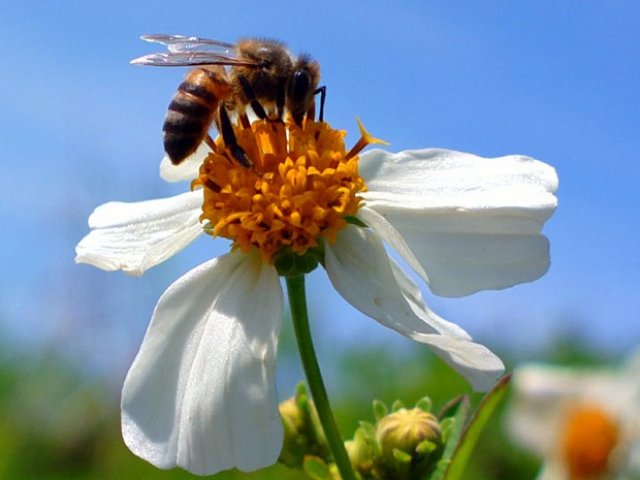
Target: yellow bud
<point>360,452</point>
<point>295,444</point>
<point>406,429</point>
<point>302,433</point>
<point>292,416</point>
<point>410,442</point>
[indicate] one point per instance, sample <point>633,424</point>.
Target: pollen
<point>298,192</point>
<point>589,437</point>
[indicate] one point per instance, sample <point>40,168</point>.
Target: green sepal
<point>424,404</point>
<point>402,464</point>
<point>301,398</point>
<point>380,410</point>
<point>355,221</point>
<point>290,264</point>
<point>368,429</point>
<point>401,457</point>
<point>285,263</point>
<point>426,447</point>
<point>301,390</point>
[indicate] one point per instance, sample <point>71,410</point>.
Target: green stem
<point>300,317</point>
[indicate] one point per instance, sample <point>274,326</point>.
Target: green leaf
<point>316,469</point>
<point>462,411</point>
<point>475,427</point>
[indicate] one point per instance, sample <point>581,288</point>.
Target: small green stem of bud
<point>300,318</point>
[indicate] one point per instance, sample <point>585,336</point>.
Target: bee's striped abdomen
<point>191,112</point>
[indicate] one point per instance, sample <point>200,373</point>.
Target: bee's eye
<point>299,86</point>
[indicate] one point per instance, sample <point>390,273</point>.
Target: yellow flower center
<point>590,435</point>
<point>301,186</point>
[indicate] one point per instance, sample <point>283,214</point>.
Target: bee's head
<point>301,87</point>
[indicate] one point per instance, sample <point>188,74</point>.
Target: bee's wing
<point>180,43</point>
<point>190,51</point>
<point>186,59</point>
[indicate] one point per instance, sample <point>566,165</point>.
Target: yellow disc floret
<point>300,188</point>
<point>589,437</point>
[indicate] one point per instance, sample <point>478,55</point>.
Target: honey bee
<point>227,77</point>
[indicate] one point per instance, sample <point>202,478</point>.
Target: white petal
<point>473,223</point>
<point>386,231</point>
<point>475,362</point>
<point>536,413</point>
<point>413,296</point>
<point>439,178</point>
<point>136,236</point>
<point>361,271</point>
<point>201,391</point>
<point>187,169</point>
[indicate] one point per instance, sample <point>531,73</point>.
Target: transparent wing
<point>190,51</point>
<point>180,43</point>
<point>185,59</point>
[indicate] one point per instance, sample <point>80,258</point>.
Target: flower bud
<point>292,416</point>
<point>410,441</point>
<point>360,452</point>
<point>302,432</point>
<point>295,443</point>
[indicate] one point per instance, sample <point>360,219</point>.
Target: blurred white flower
<point>584,422</point>
<point>201,391</point>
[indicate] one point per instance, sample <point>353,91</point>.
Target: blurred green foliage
<point>56,423</point>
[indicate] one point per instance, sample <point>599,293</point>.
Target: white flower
<point>584,422</point>
<point>200,393</point>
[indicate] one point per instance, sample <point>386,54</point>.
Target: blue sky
<point>554,80</point>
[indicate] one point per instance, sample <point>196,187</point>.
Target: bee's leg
<point>251,96</point>
<point>229,138</point>
<point>207,138</point>
<point>244,120</point>
<point>323,93</point>
<point>209,141</point>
